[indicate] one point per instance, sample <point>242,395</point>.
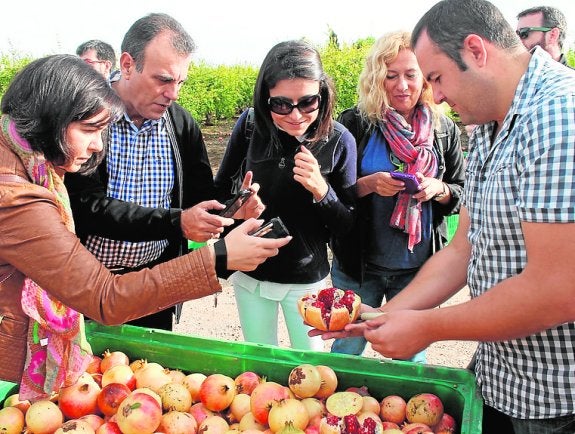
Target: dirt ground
<point>203,318</point>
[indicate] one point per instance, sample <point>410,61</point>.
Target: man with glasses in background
<point>545,26</point>
<point>99,55</point>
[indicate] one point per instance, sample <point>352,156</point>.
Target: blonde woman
<point>398,128</point>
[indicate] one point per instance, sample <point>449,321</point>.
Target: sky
<point>228,32</point>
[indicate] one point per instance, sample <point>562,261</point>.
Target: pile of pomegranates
<point>141,397</point>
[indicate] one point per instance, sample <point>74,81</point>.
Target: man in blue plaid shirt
<point>155,189</point>
<point>516,230</point>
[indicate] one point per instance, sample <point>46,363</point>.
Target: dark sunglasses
<point>523,32</point>
<point>283,106</point>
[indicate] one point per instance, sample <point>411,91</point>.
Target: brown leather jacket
<point>34,242</point>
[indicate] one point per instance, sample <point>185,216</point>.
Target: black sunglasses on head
<point>283,106</point>
<point>523,32</point>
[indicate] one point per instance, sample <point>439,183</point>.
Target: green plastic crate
<point>456,387</point>
<point>7,389</point>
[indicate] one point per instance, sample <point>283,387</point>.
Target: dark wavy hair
<point>449,22</point>
<point>285,61</point>
<point>50,93</point>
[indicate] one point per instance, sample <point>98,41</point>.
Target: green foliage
<point>9,66</point>
<point>222,92</point>
<point>213,93</point>
<point>570,55</point>
<point>343,65</point>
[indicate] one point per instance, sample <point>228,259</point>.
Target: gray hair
<point>147,28</point>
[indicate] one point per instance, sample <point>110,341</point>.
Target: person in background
<point>516,233</point>
<point>305,164</point>
<point>546,27</point>
<point>54,113</point>
<point>99,55</point>
<point>152,193</point>
<point>397,127</point>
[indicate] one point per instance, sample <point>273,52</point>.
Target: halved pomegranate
<point>330,309</point>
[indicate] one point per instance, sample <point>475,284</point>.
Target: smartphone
<point>274,228</point>
<point>411,182</point>
<point>236,202</point>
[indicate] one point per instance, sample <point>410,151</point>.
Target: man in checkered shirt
<point>516,235</point>
<point>155,189</point>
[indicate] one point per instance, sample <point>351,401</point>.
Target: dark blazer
<point>97,214</point>
<point>350,248</point>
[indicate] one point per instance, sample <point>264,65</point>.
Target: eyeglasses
<point>93,62</point>
<point>523,32</point>
<point>283,106</point>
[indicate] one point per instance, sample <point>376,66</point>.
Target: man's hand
<point>351,330</point>
<point>199,225</point>
<point>399,335</point>
<point>246,252</point>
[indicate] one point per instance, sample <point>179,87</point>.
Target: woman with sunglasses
<point>398,129</point>
<point>54,113</point>
<point>305,163</point>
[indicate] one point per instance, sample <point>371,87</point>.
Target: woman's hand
<point>246,252</point>
<point>380,183</point>
<point>307,173</point>
<point>428,188</point>
<point>254,206</point>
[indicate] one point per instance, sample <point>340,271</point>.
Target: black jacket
<point>97,214</point>
<point>350,249</point>
<point>305,258</point>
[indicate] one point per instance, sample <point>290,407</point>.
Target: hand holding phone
<point>411,181</point>
<point>235,203</point>
<point>274,228</point>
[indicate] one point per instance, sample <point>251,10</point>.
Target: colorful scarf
<point>57,350</point>
<point>413,145</point>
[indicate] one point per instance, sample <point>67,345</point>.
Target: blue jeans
<point>376,285</point>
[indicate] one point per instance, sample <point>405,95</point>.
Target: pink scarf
<point>57,352</point>
<point>413,145</point>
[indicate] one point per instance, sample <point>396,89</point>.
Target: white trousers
<point>258,307</point>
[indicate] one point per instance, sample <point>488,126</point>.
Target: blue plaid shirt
<point>527,175</point>
<point>141,170</point>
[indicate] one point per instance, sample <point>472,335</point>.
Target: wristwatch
<point>443,194</point>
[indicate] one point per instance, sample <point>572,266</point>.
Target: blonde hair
<point>373,100</point>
